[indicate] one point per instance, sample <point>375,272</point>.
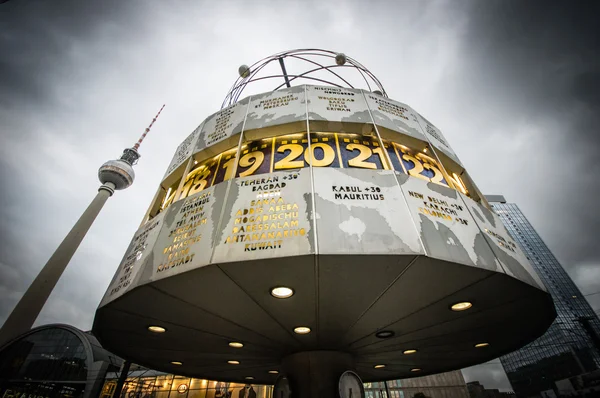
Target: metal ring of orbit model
<point>312,56</point>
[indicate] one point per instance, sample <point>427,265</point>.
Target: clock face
<point>281,389</point>
<point>351,386</point>
<point>182,388</point>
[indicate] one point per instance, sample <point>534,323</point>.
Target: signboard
<point>360,211</point>
<point>138,254</point>
<point>186,239</point>
<point>394,115</point>
<point>184,151</point>
<point>337,105</point>
<point>445,225</point>
<point>266,216</point>
<point>276,108</point>
<point>222,125</point>
<point>507,251</point>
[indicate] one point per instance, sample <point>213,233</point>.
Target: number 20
<point>290,162</point>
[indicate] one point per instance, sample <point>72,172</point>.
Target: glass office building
<point>570,346</point>
<point>441,385</point>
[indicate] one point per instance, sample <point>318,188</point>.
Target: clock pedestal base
<point>316,374</point>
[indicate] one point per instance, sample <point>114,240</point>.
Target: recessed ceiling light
<point>236,344</point>
<point>479,345</point>
<point>463,305</point>
<point>177,363</point>
<point>415,370</point>
<point>302,330</point>
<point>407,352</point>
<point>249,378</point>
<point>384,334</point>
<point>573,296</point>
<point>195,162</point>
<point>273,372</point>
<point>379,366</point>
<point>282,292</point>
<point>233,362</point>
<point>157,329</point>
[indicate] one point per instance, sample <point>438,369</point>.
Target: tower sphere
<point>244,71</point>
<point>119,172</point>
<point>340,58</point>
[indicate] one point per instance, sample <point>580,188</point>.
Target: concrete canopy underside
<point>344,299</point>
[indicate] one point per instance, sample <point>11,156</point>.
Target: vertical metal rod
<point>238,154</point>
<point>314,209</point>
<point>387,390</point>
<point>186,171</point>
<point>312,175</point>
<point>122,378</point>
<point>152,204</point>
<point>171,385</point>
<point>388,160</point>
<point>285,75</point>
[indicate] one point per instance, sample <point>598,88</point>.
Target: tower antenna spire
<point>139,142</point>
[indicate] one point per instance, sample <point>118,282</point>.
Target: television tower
<point>114,175</point>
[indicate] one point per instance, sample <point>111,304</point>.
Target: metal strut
<point>285,75</point>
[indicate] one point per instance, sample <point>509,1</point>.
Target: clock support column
<point>316,374</point>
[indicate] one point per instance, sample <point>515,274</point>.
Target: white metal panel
<point>394,115</point>
<point>138,254</point>
<point>276,108</point>
<point>222,125</point>
<point>507,250</point>
<point>362,212</point>
<point>186,240</point>
<point>266,216</point>
<point>337,105</point>
<point>445,225</point>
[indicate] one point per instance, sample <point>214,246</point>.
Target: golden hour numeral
<point>200,181</point>
<point>328,155</point>
<point>379,152</point>
<point>228,166</point>
<point>430,164</point>
<point>253,160</point>
<point>289,161</point>
<point>415,171</point>
<point>437,174</point>
<point>360,159</point>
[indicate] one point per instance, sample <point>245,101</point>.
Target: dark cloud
<point>534,69</point>
<point>512,84</point>
<point>539,63</point>
<point>36,40</point>
<point>40,41</point>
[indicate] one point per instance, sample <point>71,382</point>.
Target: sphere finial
<point>244,71</point>
<point>340,59</point>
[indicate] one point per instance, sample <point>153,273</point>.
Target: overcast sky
<point>514,86</point>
